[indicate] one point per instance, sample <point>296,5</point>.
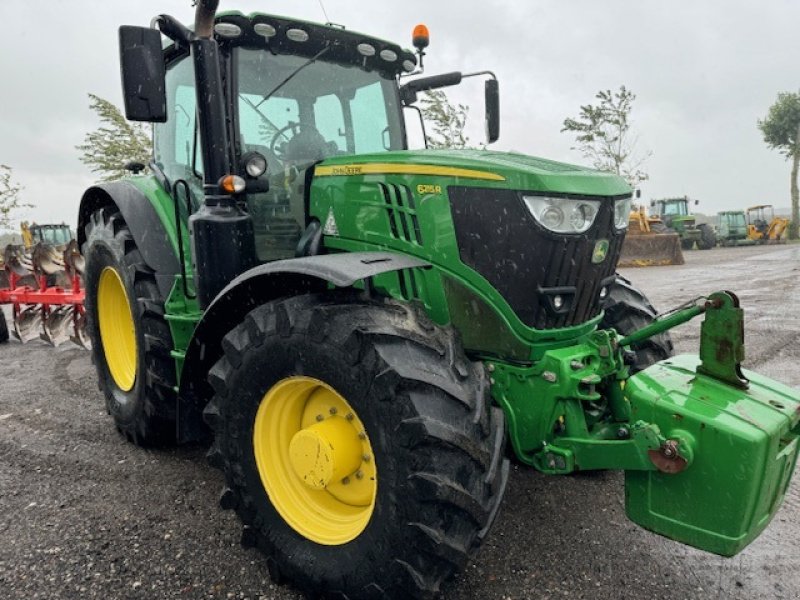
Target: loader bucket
<point>58,325</point>
<point>651,249</point>
<point>28,324</point>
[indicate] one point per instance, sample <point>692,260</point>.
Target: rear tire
<point>135,371</point>
<point>708,239</point>
<point>628,310</point>
<point>426,413</point>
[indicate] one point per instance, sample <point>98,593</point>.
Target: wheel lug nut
<point>346,480</point>
<point>362,436</point>
<point>366,458</point>
<point>333,410</point>
<point>349,416</point>
<point>359,475</point>
<point>320,418</point>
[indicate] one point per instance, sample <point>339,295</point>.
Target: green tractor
<point>732,228</point>
<point>356,329</point>
<point>676,216</point>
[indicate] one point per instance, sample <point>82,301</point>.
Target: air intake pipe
<point>222,236</point>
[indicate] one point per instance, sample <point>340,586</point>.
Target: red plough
<point>45,291</point>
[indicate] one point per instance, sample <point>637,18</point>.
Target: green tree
<point>10,200</point>
<point>116,142</point>
<point>603,135</point>
<point>781,130</point>
<point>447,120</point>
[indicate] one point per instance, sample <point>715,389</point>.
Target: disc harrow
<point>44,286</point>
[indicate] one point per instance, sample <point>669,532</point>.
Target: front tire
<point>435,475</point>
<point>627,309</point>
<point>130,339</point>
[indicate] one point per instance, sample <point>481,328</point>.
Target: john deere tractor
<point>357,328</point>
<point>676,216</point>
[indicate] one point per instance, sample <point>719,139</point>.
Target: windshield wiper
<point>292,74</point>
<point>264,117</point>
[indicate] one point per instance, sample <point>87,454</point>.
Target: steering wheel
<point>280,151</point>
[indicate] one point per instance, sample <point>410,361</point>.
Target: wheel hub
<point>326,451</point>
<point>315,460</point>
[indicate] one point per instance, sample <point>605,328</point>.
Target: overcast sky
<point>703,72</point>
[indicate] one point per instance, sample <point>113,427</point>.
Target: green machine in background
<point>358,328</point>
<point>676,215</point>
<point>732,228</point>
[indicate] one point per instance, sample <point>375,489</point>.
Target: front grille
<point>402,212</point>
<point>499,238</point>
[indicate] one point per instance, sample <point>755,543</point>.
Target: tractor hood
<point>508,170</point>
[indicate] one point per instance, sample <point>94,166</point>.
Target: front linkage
<point>687,432</point>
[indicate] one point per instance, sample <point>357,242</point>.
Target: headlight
<point>255,165</point>
<point>622,213</point>
<point>562,215</point>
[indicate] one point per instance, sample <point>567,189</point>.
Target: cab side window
<point>176,142</point>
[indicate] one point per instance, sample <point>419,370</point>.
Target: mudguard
<point>147,228</point>
<point>262,284</point>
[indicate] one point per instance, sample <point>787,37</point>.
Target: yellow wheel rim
<point>117,330</point>
<point>315,460</point>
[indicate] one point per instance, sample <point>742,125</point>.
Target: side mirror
<point>652,203</point>
<point>696,202</point>
<point>638,193</point>
<point>492,97</point>
<point>143,74</point>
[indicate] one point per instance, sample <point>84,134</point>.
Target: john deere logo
<point>600,251</point>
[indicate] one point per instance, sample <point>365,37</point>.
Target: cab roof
<point>287,35</point>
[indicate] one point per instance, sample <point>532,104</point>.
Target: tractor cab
<point>295,94</point>
<point>733,221</point>
<point>56,235</point>
<point>731,227</point>
<point>673,210</point>
<point>52,234</point>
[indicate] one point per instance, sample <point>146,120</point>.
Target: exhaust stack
<point>204,18</point>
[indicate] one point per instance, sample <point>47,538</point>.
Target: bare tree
<point>603,135</point>
<point>10,200</point>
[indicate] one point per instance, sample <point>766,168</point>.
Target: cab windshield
<point>736,219</point>
<point>675,208</point>
<point>324,110</point>
<point>52,235</point>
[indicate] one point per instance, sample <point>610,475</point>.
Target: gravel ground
<point>83,514</point>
